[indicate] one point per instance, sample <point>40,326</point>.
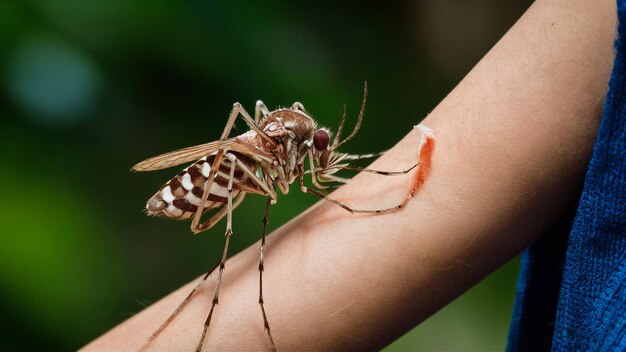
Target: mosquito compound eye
<point>321,140</point>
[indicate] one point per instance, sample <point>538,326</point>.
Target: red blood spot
<point>426,151</point>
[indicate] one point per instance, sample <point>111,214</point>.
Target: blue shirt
<point>571,292</point>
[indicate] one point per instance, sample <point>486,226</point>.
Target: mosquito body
<point>273,154</point>
<point>271,163</point>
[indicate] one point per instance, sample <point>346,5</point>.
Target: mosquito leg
<point>215,219</point>
<point>384,173</point>
<point>317,180</point>
<point>195,223</point>
<point>178,309</point>
<point>228,234</point>
<point>427,145</point>
<point>266,324</point>
<point>350,209</point>
<point>362,156</point>
<point>214,167</point>
<point>236,111</point>
<point>314,178</point>
<point>239,110</point>
<point>210,222</point>
<point>260,111</point>
<point>261,183</point>
<point>333,178</point>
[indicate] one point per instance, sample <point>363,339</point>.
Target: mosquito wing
<point>196,152</point>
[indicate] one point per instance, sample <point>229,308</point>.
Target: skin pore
<point>513,142</point>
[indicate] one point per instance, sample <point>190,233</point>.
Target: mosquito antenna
<point>340,128</point>
<point>358,121</point>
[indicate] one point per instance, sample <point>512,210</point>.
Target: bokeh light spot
<point>52,82</point>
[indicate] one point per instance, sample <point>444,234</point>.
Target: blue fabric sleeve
<point>589,312</point>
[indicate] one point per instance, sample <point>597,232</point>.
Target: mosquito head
<point>326,155</point>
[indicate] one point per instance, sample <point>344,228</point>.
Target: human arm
<point>513,141</point>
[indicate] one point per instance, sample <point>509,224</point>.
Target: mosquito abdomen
<point>179,197</point>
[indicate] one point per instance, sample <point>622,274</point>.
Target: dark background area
<point>89,88</point>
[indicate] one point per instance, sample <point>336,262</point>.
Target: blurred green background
<point>91,87</point>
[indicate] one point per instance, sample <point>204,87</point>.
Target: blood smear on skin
<point>427,146</point>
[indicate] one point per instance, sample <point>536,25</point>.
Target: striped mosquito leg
<point>210,222</point>
<point>266,324</point>
<point>228,234</point>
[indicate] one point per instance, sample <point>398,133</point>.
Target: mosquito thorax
<point>294,123</point>
<point>291,129</point>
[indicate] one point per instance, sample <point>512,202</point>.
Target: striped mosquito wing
<point>194,153</point>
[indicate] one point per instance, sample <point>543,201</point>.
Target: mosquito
<point>270,155</point>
